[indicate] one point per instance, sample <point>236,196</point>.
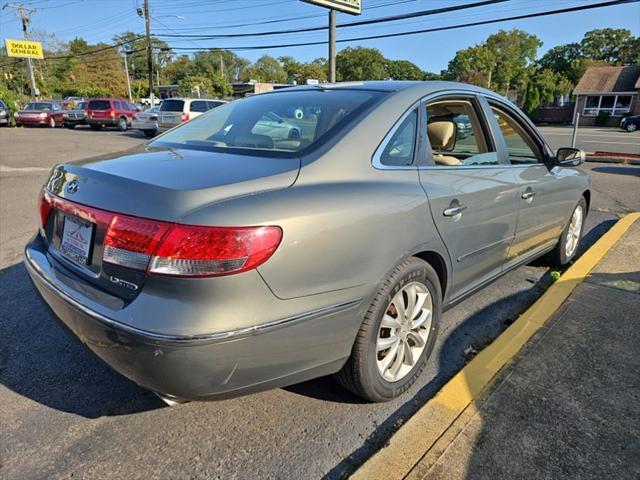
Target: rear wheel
<point>122,124</point>
<point>71,126</point>
<point>569,241</point>
<point>96,128</point>
<point>631,127</point>
<point>397,334</point>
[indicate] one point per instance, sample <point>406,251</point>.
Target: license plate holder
<point>76,241</point>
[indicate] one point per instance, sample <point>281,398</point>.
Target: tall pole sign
<point>354,7</point>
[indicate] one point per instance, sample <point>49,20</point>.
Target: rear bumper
<point>74,121</point>
<point>109,122</point>
<point>200,367</point>
<point>139,125</point>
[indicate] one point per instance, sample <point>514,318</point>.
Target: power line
<point>426,30</point>
<point>390,18</point>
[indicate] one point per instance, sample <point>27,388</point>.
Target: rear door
<point>472,195</point>
<point>541,201</point>
<point>197,108</point>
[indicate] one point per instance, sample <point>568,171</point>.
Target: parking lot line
<point>431,422</point>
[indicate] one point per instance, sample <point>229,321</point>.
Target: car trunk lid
<point>155,183</point>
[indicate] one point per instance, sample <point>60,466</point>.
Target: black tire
<point>360,374</point>
<point>71,126</point>
<point>122,124</point>
<point>150,133</point>
<point>95,127</point>
<point>559,256</point>
<point>631,127</point>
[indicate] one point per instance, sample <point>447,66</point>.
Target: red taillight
<point>45,207</point>
<point>131,241</point>
<point>112,113</point>
<point>172,249</point>
<point>207,251</point>
<point>185,117</point>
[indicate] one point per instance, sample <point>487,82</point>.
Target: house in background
<point>607,90</point>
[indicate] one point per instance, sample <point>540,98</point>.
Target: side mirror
<point>570,157</point>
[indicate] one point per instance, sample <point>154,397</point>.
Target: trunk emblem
<point>123,283</point>
<point>72,186</point>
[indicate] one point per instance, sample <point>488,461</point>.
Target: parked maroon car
<point>110,112</point>
<point>40,112</point>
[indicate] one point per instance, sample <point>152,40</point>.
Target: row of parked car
<point>101,113</point>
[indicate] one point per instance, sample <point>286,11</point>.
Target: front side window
<point>521,147</point>
<point>306,118</point>
<point>400,148</point>
<point>456,135</point>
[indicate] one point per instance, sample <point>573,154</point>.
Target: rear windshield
<point>99,105</point>
<point>38,106</point>
<point>172,106</point>
<point>282,122</point>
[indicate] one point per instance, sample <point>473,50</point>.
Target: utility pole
<point>332,46</point>
<point>25,16</point>
<point>126,72</point>
<point>147,23</point>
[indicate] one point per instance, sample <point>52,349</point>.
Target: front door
<point>473,197</point>
<point>543,204</point>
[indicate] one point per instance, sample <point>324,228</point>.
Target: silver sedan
<point>221,259</point>
<point>146,121</point>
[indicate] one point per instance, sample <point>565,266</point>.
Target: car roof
<point>421,87</point>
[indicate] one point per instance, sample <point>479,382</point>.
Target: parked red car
<point>110,112</point>
<point>40,112</point>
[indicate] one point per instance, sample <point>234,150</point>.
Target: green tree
<point>136,50</point>
<point>514,52</point>
<point>266,69</point>
<point>360,63</point>
<point>473,65</point>
<point>213,85</point>
<point>613,45</point>
<point>403,70</point>
<point>565,59</point>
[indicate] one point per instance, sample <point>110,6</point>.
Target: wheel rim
<point>123,124</point>
<point>404,331</point>
<point>631,127</point>
<point>573,233</point>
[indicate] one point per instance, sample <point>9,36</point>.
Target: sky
<point>100,20</point>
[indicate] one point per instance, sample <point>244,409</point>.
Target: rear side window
<point>118,105</point>
<point>199,106</point>
<point>99,105</point>
<point>214,104</point>
<point>172,106</point>
<point>521,147</point>
<point>401,146</point>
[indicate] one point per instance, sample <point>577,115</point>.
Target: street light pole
<point>126,71</point>
<point>147,22</point>
<point>332,46</point>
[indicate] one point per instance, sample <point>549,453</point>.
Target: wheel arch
<point>438,263</point>
<point>587,197</point>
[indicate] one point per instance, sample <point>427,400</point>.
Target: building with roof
<point>608,92</point>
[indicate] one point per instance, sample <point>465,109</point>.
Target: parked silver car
<point>146,121</point>
<point>215,261</point>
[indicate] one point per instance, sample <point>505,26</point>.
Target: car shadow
<point>41,361</point>
<point>633,171</point>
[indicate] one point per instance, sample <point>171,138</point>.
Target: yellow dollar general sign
<point>23,48</point>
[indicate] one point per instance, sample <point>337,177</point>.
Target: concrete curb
<point>415,439</point>
<point>619,160</point>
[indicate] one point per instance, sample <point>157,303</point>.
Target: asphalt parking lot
<point>593,139</point>
<point>66,414</point>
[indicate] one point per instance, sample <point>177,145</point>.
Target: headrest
<point>442,134</point>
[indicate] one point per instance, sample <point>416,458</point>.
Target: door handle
<point>528,195</point>
<point>453,211</point>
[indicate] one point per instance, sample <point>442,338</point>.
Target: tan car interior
<point>443,131</point>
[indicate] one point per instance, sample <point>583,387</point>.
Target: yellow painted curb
<point>416,437</point>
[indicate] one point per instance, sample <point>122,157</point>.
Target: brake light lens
<point>185,117</point>
<point>45,207</point>
<point>112,113</point>
<point>131,241</point>
<point>195,251</point>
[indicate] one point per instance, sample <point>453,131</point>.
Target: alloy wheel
<point>631,127</point>
<point>404,331</point>
<point>573,233</point>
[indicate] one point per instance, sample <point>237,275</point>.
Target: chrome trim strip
<point>485,247</point>
<point>36,270</point>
